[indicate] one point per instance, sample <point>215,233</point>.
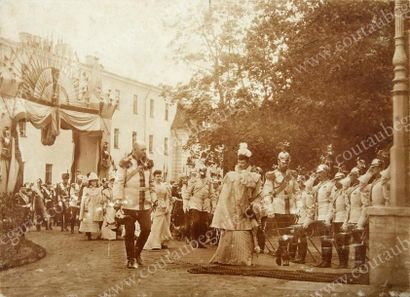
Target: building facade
<point>141,115</point>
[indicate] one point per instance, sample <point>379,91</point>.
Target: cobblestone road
<point>75,267</point>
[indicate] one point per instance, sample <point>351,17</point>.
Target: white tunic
<point>283,202</point>
<point>323,192</point>
<point>338,206</point>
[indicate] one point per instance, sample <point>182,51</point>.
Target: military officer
<point>379,189</point>
<point>199,195</point>
<point>322,192</point>
<point>74,204</point>
<point>63,198</point>
<point>305,210</point>
<point>279,189</point>
<point>133,185</point>
<point>357,201</point>
<point>336,218</point>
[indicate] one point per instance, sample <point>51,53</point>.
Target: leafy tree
<point>311,72</point>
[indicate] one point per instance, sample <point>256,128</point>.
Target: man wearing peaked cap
<point>199,195</point>
<point>336,217</point>
<point>305,206</point>
<point>358,199</point>
<point>322,191</point>
<point>133,186</point>
<point>279,194</point>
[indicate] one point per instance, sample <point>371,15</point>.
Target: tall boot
<point>326,253</point>
<point>344,251</point>
<point>359,248</point>
<point>293,246</point>
<point>261,238</point>
<point>339,239</point>
<point>282,255</point>
<point>302,252</point>
<point>359,255</point>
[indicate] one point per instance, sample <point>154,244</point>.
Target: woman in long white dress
<point>239,188</point>
<point>91,207</point>
<point>161,223</point>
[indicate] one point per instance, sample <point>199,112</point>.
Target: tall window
<point>116,138</point>
<point>151,108</point>
<point>166,111</point>
<point>23,128</point>
<point>134,137</point>
<point>49,173</point>
<point>166,146</point>
<point>135,104</point>
<point>151,144</point>
<point>117,98</point>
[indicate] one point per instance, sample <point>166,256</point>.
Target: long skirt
<point>109,227</point>
<point>160,232</point>
<point>234,248</point>
<point>88,225</point>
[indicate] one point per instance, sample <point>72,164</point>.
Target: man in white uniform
<point>322,193</point>
<point>133,185</point>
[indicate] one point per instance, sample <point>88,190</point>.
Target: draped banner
<point>50,119</point>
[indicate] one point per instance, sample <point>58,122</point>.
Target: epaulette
<point>150,164</point>
<point>270,175</point>
<point>125,163</point>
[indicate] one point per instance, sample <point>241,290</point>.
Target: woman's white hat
<point>243,150</point>
<point>93,176</point>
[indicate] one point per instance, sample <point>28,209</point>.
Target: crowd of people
<point>330,201</point>
<point>86,204</point>
<point>232,211</point>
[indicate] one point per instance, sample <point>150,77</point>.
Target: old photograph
<point>204,148</point>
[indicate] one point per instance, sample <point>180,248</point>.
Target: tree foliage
<point>310,72</point>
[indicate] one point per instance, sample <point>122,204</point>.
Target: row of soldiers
<point>333,205</point>
<point>51,205</point>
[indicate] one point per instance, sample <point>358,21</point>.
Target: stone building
<point>140,114</point>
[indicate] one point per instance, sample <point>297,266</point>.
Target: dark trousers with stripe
<point>143,217</point>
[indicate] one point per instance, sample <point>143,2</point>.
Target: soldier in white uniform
<point>280,188</point>
<point>133,185</point>
<point>378,189</point>
<point>322,193</point>
<point>305,211</point>
<point>336,217</point>
<point>357,201</point>
<point>199,195</point>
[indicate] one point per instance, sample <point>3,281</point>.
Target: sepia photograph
<point>204,148</point>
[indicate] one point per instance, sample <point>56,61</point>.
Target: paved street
<point>77,267</point>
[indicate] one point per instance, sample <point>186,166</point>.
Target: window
<point>135,104</point>
<point>117,98</point>
<point>151,108</point>
<point>151,144</point>
<point>134,137</point>
<point>166,146</point>
<point>166,111</point>
<point>49,174</point>
<point>116,138</point>
<point>23,128</point>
